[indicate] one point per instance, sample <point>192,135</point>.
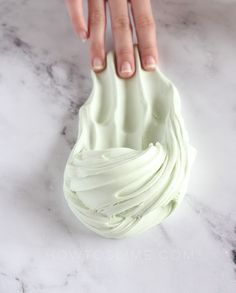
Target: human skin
<point>94,30</point>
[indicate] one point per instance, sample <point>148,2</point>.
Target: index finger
<point>75,9</point>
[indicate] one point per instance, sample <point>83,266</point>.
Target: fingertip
<point>83,36</point>
<point>98,64</point>
<point>126,70</point>
<point>149,63</point>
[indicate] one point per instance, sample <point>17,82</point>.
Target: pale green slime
<point>129,168</point>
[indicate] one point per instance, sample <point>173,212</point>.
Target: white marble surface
<point>44,78</point>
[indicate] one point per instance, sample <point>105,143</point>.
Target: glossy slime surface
<point>129,167</point>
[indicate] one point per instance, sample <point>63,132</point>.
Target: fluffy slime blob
<point>129,167</point>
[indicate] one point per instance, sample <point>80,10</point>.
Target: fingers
<point>146,33</point>
<point>75,8</point>
<point>121,29</point>
<point>97,22</point>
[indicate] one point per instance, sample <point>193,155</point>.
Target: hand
<point>122,32</point>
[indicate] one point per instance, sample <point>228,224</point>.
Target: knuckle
<point>96,47</point>
<point>121,23</point>
<point>96,17</point>
<point>77,24</point>
<point>148,49</point>
<point>70,1</point>
<point>124,53</point>
<point>145,21</point>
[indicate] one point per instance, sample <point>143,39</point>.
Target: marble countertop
<point>44,79</point>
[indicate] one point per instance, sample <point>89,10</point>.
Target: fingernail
<point>149,63</point>
<point>126,69</point>
<point>83,36</point>
<point>97,64</point>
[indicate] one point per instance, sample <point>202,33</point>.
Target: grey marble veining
<point>44,79</point>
